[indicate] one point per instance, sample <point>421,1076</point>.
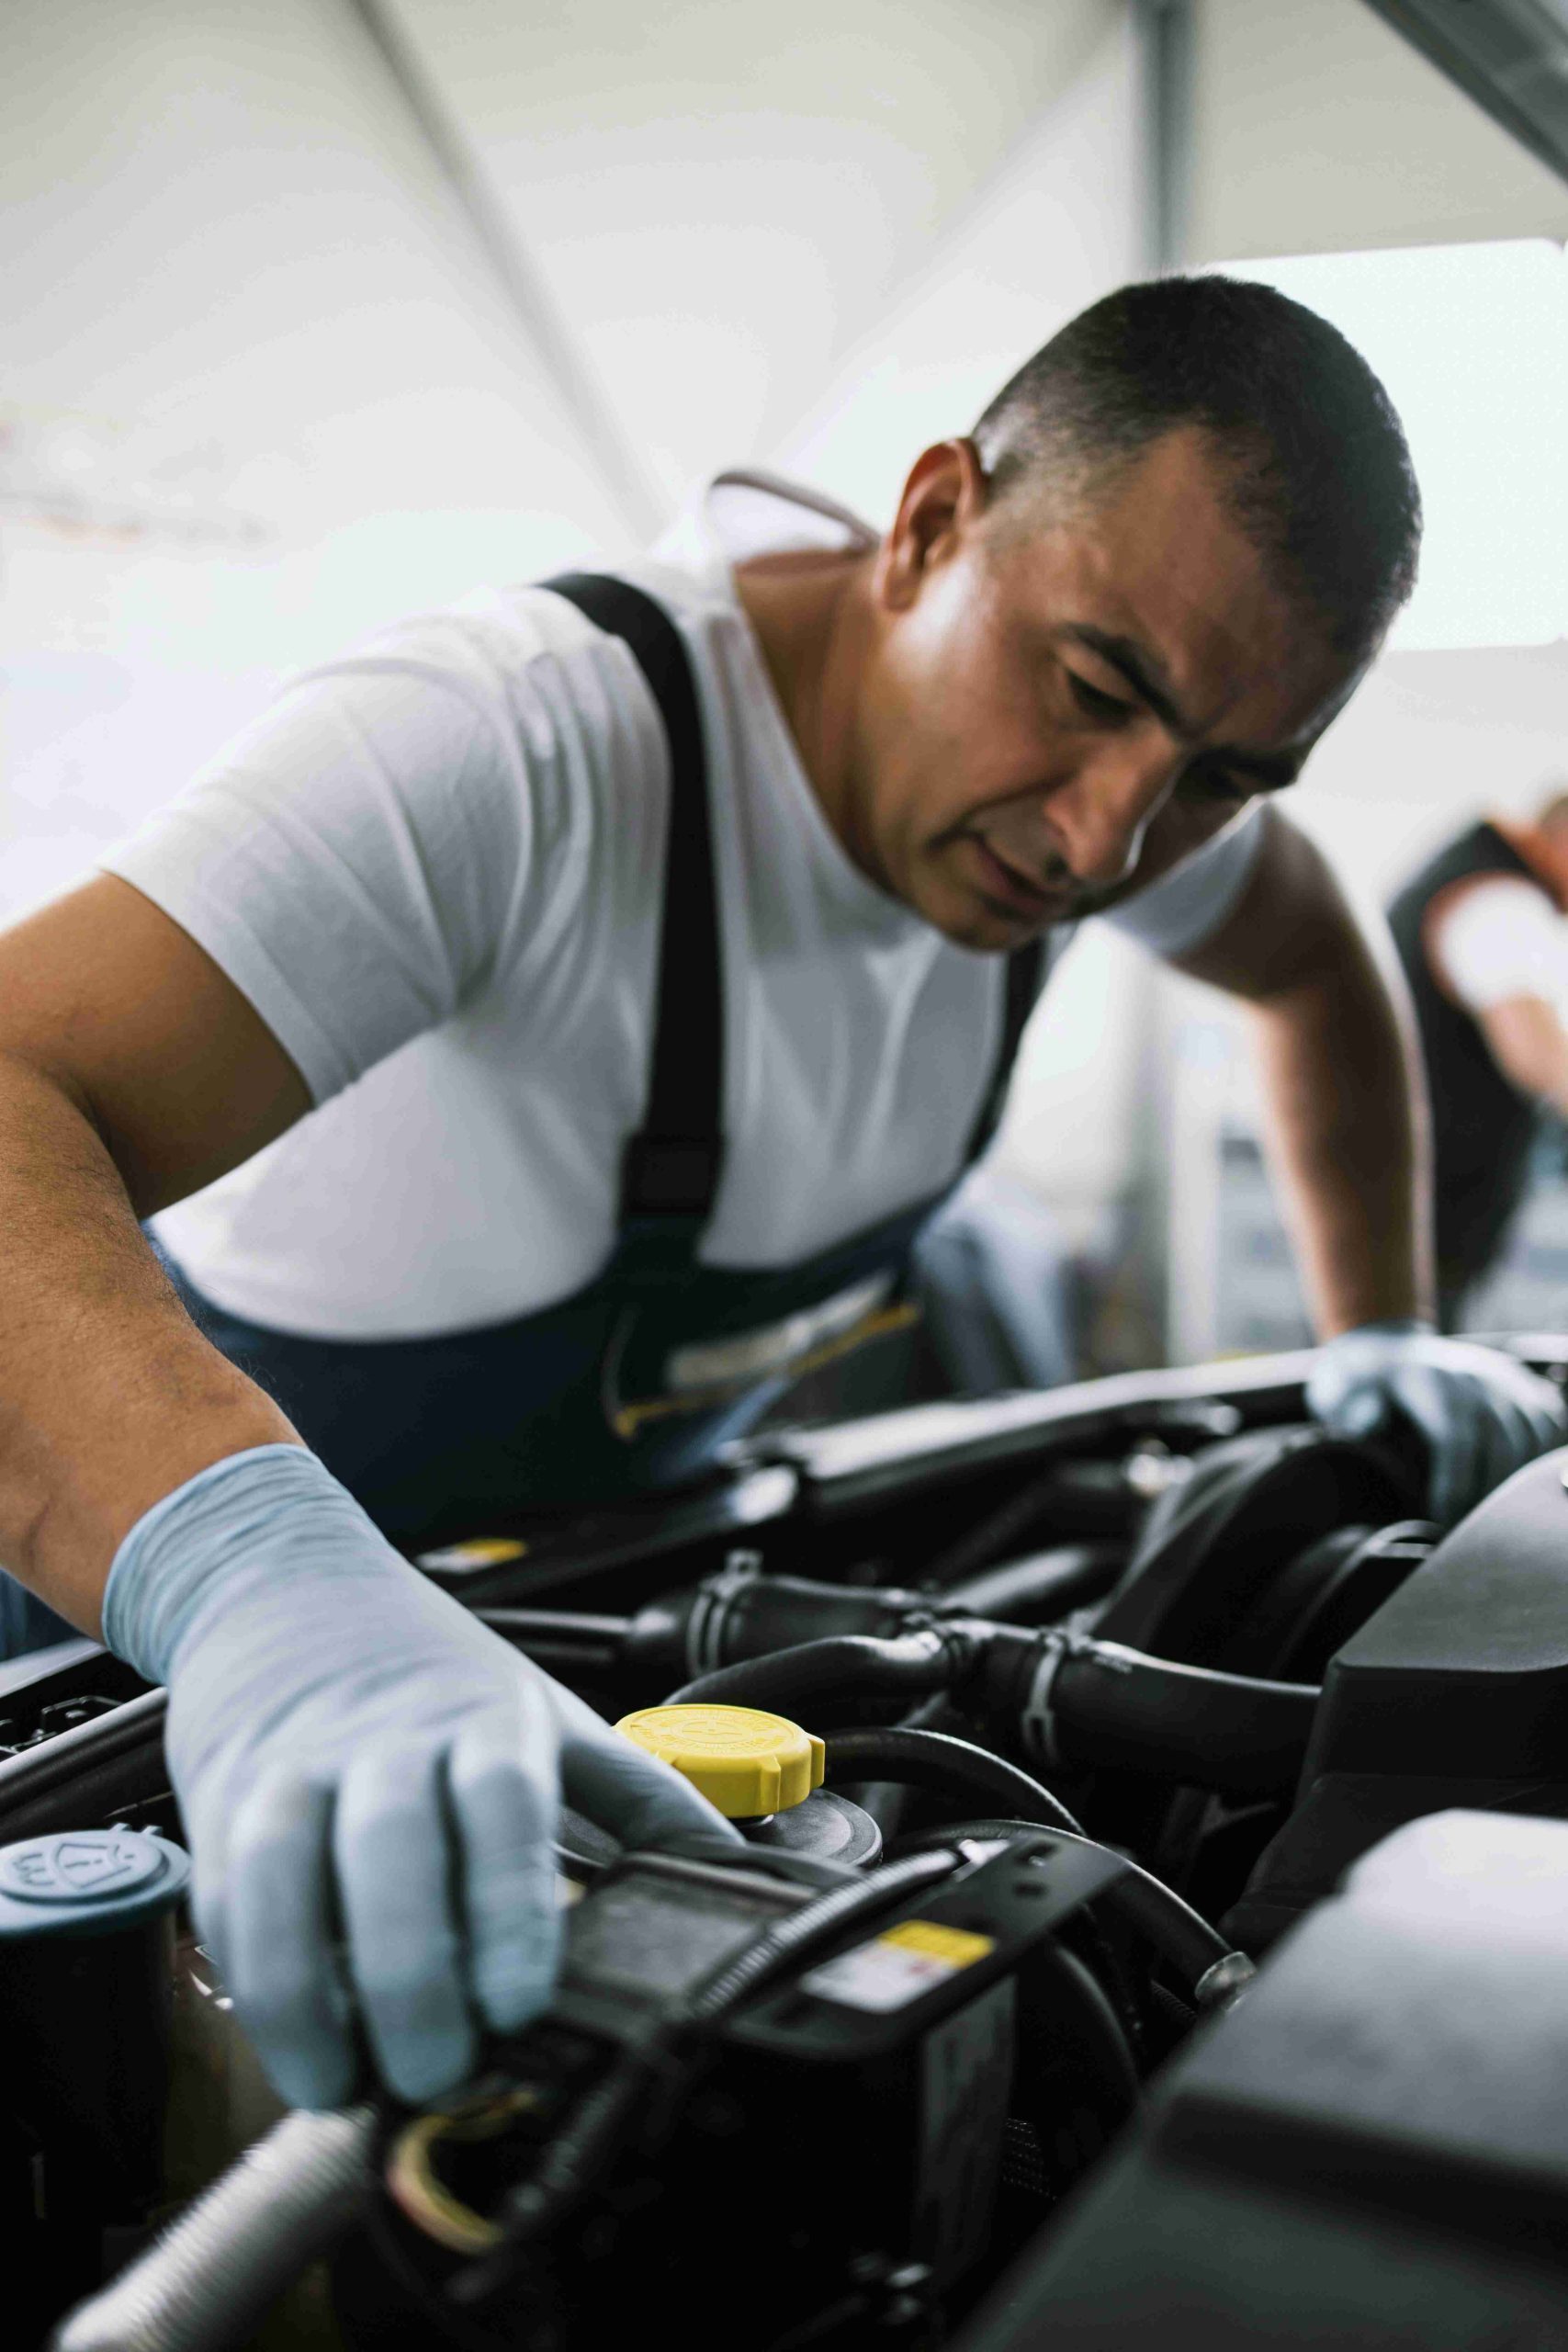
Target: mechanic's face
<point>1054,702</point>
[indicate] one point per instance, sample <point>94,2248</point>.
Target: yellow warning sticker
<point>898,1966</point>
<point>957,1946</point>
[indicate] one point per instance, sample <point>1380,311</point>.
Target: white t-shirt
<point>435,869</point>
<point>1501,937</point>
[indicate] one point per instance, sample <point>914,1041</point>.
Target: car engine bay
<point>1171,1937</point>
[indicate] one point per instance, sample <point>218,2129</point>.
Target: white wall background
<point>816,238</point>
<point>1317,129</point>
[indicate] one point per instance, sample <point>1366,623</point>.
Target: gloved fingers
<point>1353,1409</point>
<point>277,1952</point>
<point>637,1798</point>
<point>1445,1414</point>
<point>210,1889</point>
<point>503,1787</point>
<point>1510,1434</point>
<point>393,1848</point>
<point>1542,1403</point>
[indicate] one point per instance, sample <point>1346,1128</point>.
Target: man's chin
<point>985,926</point>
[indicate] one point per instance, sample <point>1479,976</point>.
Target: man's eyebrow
<point>1271,770</point>
<point>1137,667</point>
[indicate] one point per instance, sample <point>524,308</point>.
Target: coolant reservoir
<point>85,1931</point>
<point>762,1773</point>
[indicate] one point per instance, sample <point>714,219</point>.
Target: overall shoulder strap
<point>1028,968</point>
<point>670,1168</point>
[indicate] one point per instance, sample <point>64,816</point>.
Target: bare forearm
<point>1346,1128</point>
<point>109,1396</point>
<point>1345,1099</point>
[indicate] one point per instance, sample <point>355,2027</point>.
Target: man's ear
<point>942,502</point>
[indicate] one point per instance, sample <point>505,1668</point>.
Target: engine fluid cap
<point>88,1881</point>
<point>744,1760</point>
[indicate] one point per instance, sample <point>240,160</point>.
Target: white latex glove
<point>369,1778</point>
<point>1482,1413</point>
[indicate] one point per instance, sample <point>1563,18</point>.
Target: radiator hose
<point>1077,1703</point>
<point>1098,1705</point>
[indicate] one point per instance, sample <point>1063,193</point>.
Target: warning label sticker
<point>898,1966</point>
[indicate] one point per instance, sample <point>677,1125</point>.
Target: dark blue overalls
<point>633,1382</point>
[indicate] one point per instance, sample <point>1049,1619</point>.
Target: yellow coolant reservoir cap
<point>744,1761</point>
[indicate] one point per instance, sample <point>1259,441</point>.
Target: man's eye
<point>1097,705</point>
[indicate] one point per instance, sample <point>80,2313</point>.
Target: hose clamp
<point>1037,1720</point>
<point>707,1626</point>
<point>1222,1985</point>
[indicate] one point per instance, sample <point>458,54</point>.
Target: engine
<point>1140,1800</point>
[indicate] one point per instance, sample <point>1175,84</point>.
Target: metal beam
<point>1168,36</point>
<point>1510,56</point>
<point>527,299</point>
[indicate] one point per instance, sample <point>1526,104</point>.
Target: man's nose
<point>1100,814</point>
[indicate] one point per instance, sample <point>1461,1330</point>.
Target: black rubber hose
<point>1082,2025</point>
<point>1009,1524</point>
<point>817,1674</point>
<point>1113,1708</point>
<point>112,1759</point>
<point>560,1638</point>
<point>957,1769</point>
<point>1178,1932</point>
<point>1045,1585</point>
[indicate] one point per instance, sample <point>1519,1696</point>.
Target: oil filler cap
<point>744,1761</point>
<point>88,1881</point>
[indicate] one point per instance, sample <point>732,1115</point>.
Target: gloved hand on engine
<point>369,1778</point>
<point>1482,1413</point>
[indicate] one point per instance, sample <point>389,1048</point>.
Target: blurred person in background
<point>1482,931</point>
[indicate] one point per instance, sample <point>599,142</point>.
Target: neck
<point>811,612</point>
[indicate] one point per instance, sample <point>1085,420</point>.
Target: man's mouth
<point>1013,891</point>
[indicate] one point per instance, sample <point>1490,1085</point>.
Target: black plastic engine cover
<point>1464,1672</point>
<point>1372,2151</point>
<point>1454,1694</point>
<point>1215,1547</point>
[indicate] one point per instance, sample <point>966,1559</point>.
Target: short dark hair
<point>1313,455</point>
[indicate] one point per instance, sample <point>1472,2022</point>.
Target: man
<point>521,1173</point>
<point>1481,934</point>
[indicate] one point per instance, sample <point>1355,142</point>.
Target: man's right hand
<point>370,1779</point>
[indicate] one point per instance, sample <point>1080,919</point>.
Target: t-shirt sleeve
<point>356,862</point>
<point>1186,906</point>
<point>1498,939</point>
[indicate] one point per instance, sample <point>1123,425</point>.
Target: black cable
<point>1045,1585</point>
<point>1102,2037</point>
<point>114,1759</point>
<point>1177,1933</point>
<point>979,1545</point>
<point>814,1923</point>
<point>845,1665</point>
<point>935,1762</point>
<point>562,1638</point>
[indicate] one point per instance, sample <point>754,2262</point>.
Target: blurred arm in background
<point>1499,946</point>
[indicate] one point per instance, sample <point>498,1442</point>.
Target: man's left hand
<point>1482,1413</point>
